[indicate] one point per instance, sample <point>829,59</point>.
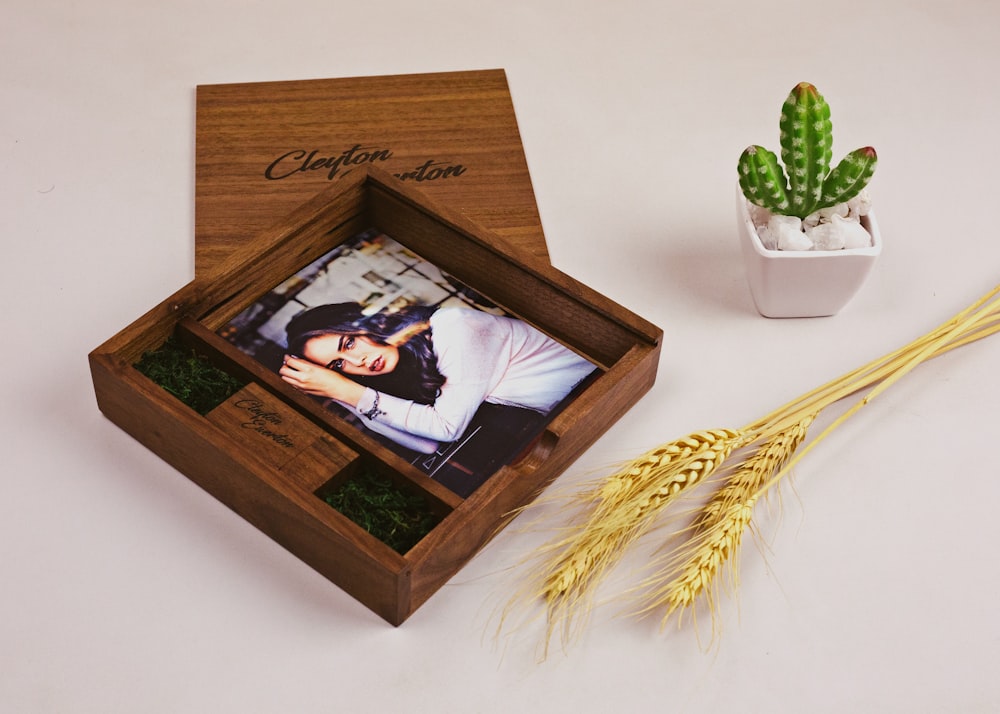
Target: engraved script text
<point>263,422</point>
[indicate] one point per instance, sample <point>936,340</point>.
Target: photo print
<point>430,368</point>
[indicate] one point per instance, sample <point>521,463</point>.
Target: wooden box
<point>270,452</point>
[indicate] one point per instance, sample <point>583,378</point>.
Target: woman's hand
<point>320,381</point>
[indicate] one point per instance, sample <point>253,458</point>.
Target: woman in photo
<point>419,375</point>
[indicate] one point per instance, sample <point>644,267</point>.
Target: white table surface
<point>128,589</point>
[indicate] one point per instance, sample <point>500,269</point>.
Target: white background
<point>125,588</point>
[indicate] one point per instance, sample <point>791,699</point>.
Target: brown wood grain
<point>263,148</point>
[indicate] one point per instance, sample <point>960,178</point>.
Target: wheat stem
<point>966,327</point>
<point>975,322</point>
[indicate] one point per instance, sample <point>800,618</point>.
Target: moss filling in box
<point>397,517</point>
<point>190,377</point>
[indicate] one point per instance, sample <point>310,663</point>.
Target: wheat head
<point>717,532</point>
<point>622,507</point>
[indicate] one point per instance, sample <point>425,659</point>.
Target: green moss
<point>396,517</point>
<point>190,377</point>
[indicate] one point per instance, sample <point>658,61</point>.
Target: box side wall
<point>187,444</point>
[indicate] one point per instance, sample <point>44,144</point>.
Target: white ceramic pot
<point>808,283</point>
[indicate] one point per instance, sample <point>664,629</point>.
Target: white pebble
<point>826,236</point>
<point>860,205</point>
<point>855,234</point>
<point>786,231</point>
<point>769,241</point>
<point>824,215</point>
<point>840,233</point>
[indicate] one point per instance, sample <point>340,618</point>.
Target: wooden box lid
<point>264,148</point>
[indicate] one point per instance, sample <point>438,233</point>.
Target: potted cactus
<point>808,233</point>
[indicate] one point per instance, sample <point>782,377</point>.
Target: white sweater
<point>484,358</point>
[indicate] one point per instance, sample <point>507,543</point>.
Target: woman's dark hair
<point>416,377</point>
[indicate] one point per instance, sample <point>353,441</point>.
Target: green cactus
<point>806,151</point>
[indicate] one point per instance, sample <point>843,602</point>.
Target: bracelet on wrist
<point>374,411</point>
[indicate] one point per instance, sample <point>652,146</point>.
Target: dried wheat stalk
<point>624,507</point>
